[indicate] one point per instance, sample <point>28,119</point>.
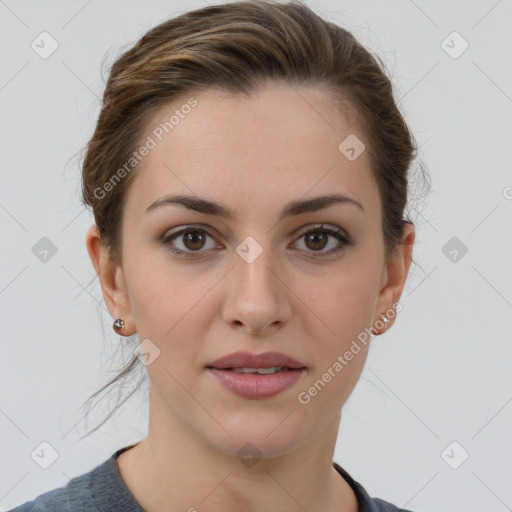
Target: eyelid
<point>320,226</point>
<point>301,231</point>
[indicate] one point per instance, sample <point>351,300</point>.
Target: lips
<point>247,360</point>
<point>252,386</point>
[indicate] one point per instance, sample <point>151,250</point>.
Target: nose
<point>257,297</point>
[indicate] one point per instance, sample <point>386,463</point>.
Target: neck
<point>174,468</point>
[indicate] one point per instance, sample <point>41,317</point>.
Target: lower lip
<point>255,385</point>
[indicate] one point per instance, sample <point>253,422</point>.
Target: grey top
<point>102,489</point>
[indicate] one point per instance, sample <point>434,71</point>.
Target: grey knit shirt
<point>103,490</point>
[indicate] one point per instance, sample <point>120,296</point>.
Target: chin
<point>260,435</point>
<point>250,449</point>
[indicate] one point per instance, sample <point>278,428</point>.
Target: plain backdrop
<point>428,426</point>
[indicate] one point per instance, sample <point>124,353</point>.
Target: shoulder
<point>76,495</point>
<point>102,488</point>
<point>364,501</point>
<point>73,497</point>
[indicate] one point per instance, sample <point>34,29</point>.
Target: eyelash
<point>166,240</point>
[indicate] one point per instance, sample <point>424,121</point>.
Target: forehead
<point>277,144</point>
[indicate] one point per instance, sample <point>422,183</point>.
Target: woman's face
<point>256,281</point>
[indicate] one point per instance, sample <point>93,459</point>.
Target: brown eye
<point>316,239</point>
<point>188,242</point>
<point>193,240</point>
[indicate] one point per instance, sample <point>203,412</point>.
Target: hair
<point>238,46</point>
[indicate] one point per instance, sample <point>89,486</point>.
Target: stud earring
<point>386,321</point>
<point>380,330</point>
<point>118,325</point>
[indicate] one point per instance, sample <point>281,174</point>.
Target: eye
<point>193,239</point>
<point>317,238</point>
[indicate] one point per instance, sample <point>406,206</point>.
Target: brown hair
<point>238,46</point>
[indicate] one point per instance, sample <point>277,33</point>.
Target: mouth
<point>256,376</point>
<point>259,371</point>
<point>247,362</point>
<point>257,383</point>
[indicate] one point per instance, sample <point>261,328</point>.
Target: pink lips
<point>254,385</point>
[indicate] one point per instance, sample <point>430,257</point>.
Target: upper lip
<point>248,360</point>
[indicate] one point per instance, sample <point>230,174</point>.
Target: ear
<point>112,280</point>
<point>393,280</point>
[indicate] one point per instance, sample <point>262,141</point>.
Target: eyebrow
<point>295,207</point>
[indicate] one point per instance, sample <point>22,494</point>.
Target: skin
<point>252,154</point>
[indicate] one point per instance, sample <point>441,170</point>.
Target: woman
<point>248,178</point>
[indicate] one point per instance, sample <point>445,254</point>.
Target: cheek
<point>171,307</point>
<point>340,308</point>
<point>157,291</point>
<point>341,304</point>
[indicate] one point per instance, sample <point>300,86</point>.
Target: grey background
<point>441,374</point>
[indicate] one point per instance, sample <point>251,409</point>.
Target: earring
<point>118,325</point>
<point>385,326</point>
<point>386,320</point>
